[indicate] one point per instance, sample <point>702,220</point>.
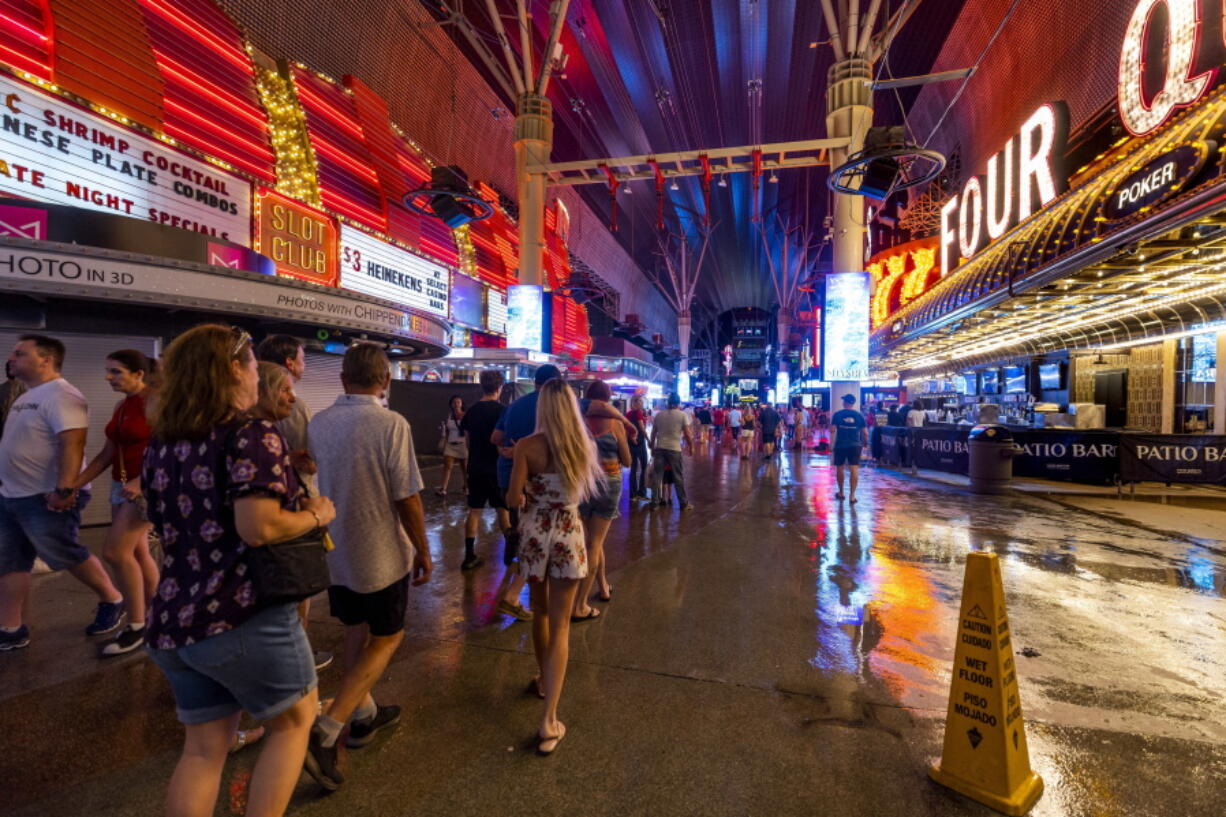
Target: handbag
<point>294,569</point>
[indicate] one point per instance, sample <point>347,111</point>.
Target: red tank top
<point>130,432</point>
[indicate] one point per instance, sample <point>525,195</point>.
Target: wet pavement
<point>772,652</point>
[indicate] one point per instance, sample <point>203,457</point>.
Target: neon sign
<point>1025,176</point>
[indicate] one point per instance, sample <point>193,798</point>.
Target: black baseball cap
<point>849,399</point>
<point>546,373</point>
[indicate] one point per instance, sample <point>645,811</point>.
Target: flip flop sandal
<point>547,746</point>
<point>606,598</point>
<point>591,614</point>
<point>535,688</point>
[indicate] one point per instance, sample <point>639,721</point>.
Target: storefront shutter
<point>321,384</point>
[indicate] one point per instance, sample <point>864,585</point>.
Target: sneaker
<point>515,610</point>
<point>471,562</point>
<point>127,640</point>
<point>321,762</point>
<point>363,732</point>
<point>107,619</point>
<point>323,659</point>
<point>15,640</point>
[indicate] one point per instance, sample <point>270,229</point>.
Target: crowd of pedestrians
<point>252,504</point>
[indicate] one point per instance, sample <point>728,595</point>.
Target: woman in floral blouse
<point>219,482</point>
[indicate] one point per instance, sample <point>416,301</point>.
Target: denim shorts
<point>29,529</point>
<point>604,504</point>
<point>263,666</point>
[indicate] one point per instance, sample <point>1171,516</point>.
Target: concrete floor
<point>772,652</point>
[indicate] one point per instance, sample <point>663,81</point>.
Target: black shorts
<point>847,455</point>
<point>483,490</point>
<point>383,610</point>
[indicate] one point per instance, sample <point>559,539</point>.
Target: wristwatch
<point>64,493</point>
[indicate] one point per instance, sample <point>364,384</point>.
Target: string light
<point>296,168</point>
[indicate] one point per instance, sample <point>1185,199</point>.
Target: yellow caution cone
<point>985,755</point>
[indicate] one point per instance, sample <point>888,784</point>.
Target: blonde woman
<point>554,470</point>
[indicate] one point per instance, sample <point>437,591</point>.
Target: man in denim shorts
<point>41,453</point>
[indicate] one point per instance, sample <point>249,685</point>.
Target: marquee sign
<point>384,270</point>
<point>53,151</point>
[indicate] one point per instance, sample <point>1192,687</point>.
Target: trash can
<point>991,453</point>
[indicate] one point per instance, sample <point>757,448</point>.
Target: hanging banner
<point>1090,457</point>
<point>385,270</point>
<point>941,449</point>
<point>1173,458</point>
<point>54,151</point>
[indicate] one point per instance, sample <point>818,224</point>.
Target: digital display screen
<point>525,317</point>
<point>467,301</point>
<point>970,384</point>
<point>1049,376</point>
<point>1204,359</point>
<point>991,381</point>
<point>1015,380</point>
<point>747,384</point>
<point>845,327</point>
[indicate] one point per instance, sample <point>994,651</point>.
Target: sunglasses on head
<point>241,339</point>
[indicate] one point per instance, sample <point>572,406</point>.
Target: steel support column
<point>533,145</point>
<point>849,114</point>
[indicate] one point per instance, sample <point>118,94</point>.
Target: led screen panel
<point>467,301</point>
<point>845,327</point>
<point>1015,380</point>
<point>384,270</point>
<point>1049,376</point>
<point>991,381</point>
<point>525,317</point>
<point>1204,359</point>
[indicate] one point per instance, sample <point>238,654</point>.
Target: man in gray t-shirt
<point>368,468</point>
<point>669,429</point>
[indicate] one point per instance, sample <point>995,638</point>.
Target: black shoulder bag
<point>289,571</point>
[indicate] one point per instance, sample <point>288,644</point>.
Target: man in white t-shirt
<point>669,429</point>
<point>734,425</point>
<point>41,453</point>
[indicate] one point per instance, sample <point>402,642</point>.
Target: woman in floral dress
<point>554,470</point>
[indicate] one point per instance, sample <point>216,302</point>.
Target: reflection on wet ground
<point>774,651</point>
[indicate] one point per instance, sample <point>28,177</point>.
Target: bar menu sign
<point>53,151</point>
<point>384,270</point>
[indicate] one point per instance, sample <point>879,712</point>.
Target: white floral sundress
<point>551,532</point>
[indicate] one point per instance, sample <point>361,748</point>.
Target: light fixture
<point>626,188</point>
<point>774,179</point>
<point>723,181</point>
<point>674,185</point>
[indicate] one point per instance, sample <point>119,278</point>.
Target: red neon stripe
<point>325,108</point>
<point>339,156</point>
<point>193,139</point>
<point>352,208</point>
<point>262,151</point>
<point>43,71</point>
<point>197,84</point>
<point>189,26</point>
<point>18,24</point>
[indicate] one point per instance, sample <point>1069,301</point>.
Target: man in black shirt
<point>769,420</point>
<point>851,434</point>
<point>478,425</point>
